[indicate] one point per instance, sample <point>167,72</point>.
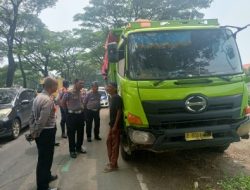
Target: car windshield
<point>7,96</point>
<point>182,54</point>
<point>103,93</point>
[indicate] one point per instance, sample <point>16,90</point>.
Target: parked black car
<point>15,110</point>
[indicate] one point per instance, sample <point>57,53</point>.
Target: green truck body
<point>182,85</point>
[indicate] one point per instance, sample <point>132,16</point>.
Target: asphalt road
<point>149,171</point>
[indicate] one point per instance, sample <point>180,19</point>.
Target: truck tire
<point>126,156</point>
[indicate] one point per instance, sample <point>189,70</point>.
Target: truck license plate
<point>198,136</point>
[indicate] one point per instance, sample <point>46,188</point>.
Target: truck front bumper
<point>161,139</point>
<point>244,128</point>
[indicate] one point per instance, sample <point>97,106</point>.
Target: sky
<point>228,12</point>
<point>60,17</point>
<point>236,13</point>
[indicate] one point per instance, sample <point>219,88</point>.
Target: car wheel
<point>15,127</point>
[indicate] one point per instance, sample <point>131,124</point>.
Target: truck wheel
<point>220,149</point>
<point>127,156</point>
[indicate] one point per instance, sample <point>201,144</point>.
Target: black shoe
<point>89,140</point>
<point>98,138</point>
<point>73,155</point>
<point>53,178</point>
<point>64,136</point>
<point>81,151</point>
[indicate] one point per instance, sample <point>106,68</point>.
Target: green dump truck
<point>182,85</point>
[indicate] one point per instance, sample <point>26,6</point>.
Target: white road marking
<point>139,177</point>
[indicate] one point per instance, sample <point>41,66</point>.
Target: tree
<point>9,24</point>
<point>103,14</point>
<point>73,56</point>
<point>92,42</point>
<point>30,24</point>
<point>3,74</point>
<point>86,70</point>
<point>39,50</point>
<point>66,55</point>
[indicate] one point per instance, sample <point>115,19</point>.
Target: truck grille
<point>194,124</point>
<point>173,114</point>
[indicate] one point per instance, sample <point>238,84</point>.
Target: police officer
<point>73,100</point>
<point>63,107</point>
<point>43,130</point>
<point>92,110</point>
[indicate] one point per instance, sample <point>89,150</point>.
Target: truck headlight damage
<point>141,137</point>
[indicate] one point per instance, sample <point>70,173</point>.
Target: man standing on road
<point>73,100</point>
<point>92,110</point>
<point>43,130</point>
<point>63,108</point>
<point>113,141</point>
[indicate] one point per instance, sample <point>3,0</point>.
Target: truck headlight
<point>4,113</point>
<point>141,137</point>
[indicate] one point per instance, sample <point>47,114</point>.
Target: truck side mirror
<point>112,52</point>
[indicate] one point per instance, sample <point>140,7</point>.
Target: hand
<point>29,137</point>
<point>34,135</point>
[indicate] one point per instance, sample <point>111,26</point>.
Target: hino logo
<point>196,104</point>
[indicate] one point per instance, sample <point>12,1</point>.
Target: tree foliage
<point>101,14</point>
<point>38,50</point>
<point>10,11</point>
<point>3,75</point>
<point>33,51</point>
<point>30,24</point>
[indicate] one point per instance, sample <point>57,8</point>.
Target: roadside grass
<point>239,182</point>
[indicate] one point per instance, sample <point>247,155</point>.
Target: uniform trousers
<point>75,128</point>
<point>63,119</point>
<point>90,116</point>
<point>45,145</point>
<point>113,143</point>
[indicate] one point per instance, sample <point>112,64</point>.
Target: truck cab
<point>182,85</point>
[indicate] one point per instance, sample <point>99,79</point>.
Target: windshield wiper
<point>224,77</point>
<point>193,81</point>
<point>186,81</point>
<point>160,81</point>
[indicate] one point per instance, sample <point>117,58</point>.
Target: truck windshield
<point>182,54</point>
